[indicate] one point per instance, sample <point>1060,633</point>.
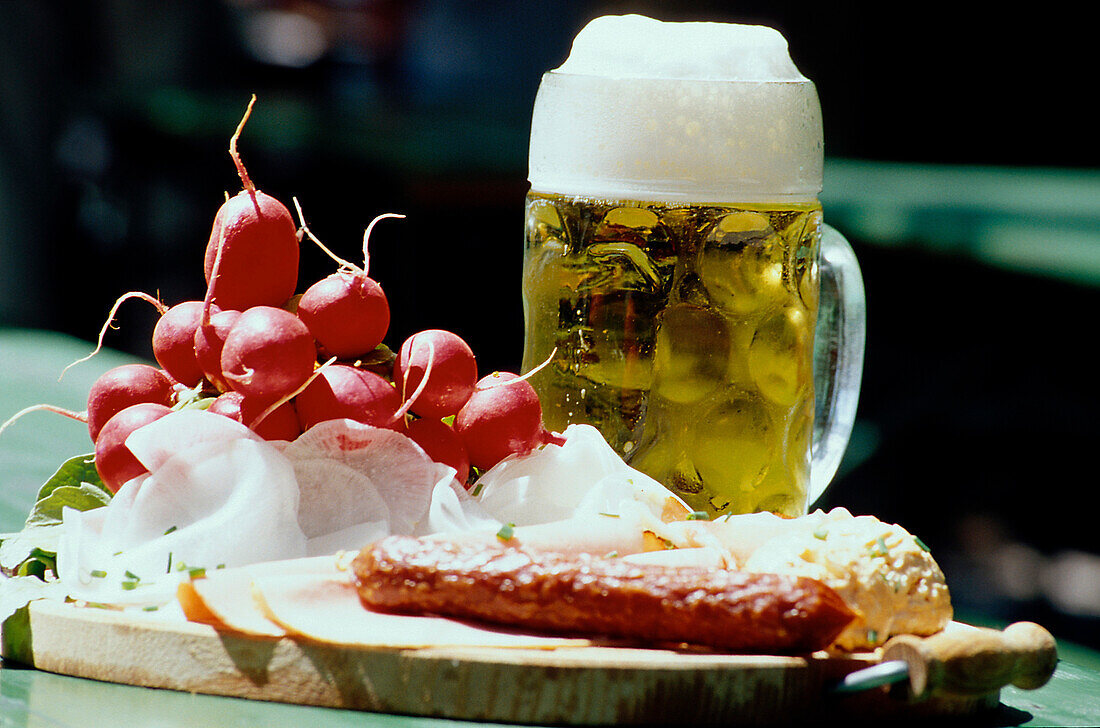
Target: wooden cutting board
<point>589,685</point>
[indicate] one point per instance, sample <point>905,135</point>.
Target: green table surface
<point>32,448</point>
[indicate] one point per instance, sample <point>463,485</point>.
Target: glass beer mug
<point>677,273</point>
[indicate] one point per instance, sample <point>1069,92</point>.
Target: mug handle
<point>839,344</point>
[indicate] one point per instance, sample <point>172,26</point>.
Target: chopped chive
<point>880,548</point>
<point>698,516</point>
<point>170,529</point>
<point>132,575</point>
<point>872,636</point>
<point>610,515</point>
<point>169,569</point>
<point>477,489</point>
<point>220,566</point>
<point>923,546</point>
<point>150,608</point>
<point>196,572</point>
<point>129,585</point>
<point>506,532</point>
<point>611,555</point>
<point>99,573</point>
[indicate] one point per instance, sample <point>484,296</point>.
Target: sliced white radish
<point>153,445</point>
<point>556,482</point>
<point>454,510</point>
<point>226,502</point>
<point>351,474</point>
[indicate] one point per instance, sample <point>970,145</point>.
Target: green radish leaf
<point>83,497</point>
<point>76,484</point>
<point>74,472</point>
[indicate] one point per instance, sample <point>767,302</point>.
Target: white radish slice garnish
<point>212,504</point>
<point>154,445</point>
<point>350,474</point>
<point>557,482</point>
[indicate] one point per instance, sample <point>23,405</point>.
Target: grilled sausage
<point>581,594</point>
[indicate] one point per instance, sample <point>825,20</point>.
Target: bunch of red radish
<point>280,363</point>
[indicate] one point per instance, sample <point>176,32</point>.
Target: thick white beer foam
<point>634,46</point>
<point>700,112</point>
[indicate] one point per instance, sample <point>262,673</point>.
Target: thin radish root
<point>404,409</point>
<point>288,397</point>
<point>79,416</point>
<point>366,237</point>
<point>344,264</point>
<point>161,308</point>
<point>512,380</point>
<point>305,232</point>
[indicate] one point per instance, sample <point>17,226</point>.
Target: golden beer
<point>684,333</point>
<point>673,248</point>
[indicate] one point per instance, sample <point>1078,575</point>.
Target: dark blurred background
<point>961,162</point>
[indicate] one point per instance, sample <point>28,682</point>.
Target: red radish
<point>442,444</point>
<point>268,353</point>
<point>122,386</point>
<point>209,341</point>
<point>280,424</point>
<point>347,312</point>
<point>258,241</point>
<point>502,417</point>
<point>174,342</point>
<point>342,391</point>
<point>453,372</point>
<point>113,460</point>
<point>214,326</point>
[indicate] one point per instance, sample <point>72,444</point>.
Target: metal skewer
<point>875,676</point>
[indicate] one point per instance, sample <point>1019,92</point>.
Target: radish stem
<point>241,171</point>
